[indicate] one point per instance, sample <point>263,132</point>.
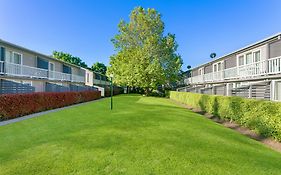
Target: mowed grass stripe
<point>142,135</point>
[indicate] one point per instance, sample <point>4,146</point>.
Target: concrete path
<point>6,122</point>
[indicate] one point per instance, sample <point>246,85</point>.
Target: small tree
<point>145,57</point>
<point>69,58</point>
<point>99,68</point>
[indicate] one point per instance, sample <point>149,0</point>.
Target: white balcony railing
<point>208,77</point>
<point>77,78</point>
<point>274,65</point>
<point>264,67</point>
<point>253,69</point>
<point>53,75</point>
<point>218,76</point>
<point>22,70</point>
<point>230,73</point>
<point>13,69</point>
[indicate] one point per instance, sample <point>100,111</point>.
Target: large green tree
<point>69,58</point>
<point>145,56</point>
<point>99,68</point>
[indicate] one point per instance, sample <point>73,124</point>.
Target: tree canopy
<point>99,68</point>
<point>145,57</point>
<point>69,58</point>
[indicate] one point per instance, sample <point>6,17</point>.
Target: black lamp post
<point>111,92</point>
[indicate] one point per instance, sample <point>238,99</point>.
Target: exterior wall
<point>39,86</point>
<point>58,66</point>
<point>275,49</point>
<point>208,69</point>
<point>75,71</point>
<point>89,78</point>
<point>230,62</point>
<point>195,72</point>
<point>29,60</point>
<point>263,52</point>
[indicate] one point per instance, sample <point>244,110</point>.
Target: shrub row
<point>16,105</point>
<point>262,116</point>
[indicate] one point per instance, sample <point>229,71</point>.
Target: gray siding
<point>78,71</point>
<point>220,90</point>
<point>39,86</point>
<point>29,60</point>
<point>195,72</point>
<point>230,62</point>
<point>208,69</point>
<point>58,66</point>
<point>275,49</point>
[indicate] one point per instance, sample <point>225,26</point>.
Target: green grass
<point>142,135</point>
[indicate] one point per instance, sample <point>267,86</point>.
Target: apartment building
<point>23,70</point>
<point>253,71</point>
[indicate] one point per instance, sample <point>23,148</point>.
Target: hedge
<point>16,105</point>
<point>262,116</point>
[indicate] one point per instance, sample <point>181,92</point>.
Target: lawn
<point>142,135</point>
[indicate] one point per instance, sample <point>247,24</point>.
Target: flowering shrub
<point>16,105</point>
<point>261,116</point>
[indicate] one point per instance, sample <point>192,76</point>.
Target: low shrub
<point>16,105</point>
<point>262,116</point>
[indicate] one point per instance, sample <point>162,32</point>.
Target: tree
<point>145,57</point>
<point>69,58</point>
<point>99,68</point>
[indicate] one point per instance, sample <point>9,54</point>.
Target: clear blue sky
<point>84,28</point>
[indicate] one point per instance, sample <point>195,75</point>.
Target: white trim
<point>243,48</point>
<point>50,66</point>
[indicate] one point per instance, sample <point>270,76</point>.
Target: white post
<point>227,89</point>
<point>272,90</point>
<point>250,91</point>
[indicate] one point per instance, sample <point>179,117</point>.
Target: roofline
<point>239,50</point>
<point>37,53</point>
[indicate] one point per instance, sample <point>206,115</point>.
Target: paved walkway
<point>6,122</point>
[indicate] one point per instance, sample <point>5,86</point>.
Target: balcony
<point>19,70</point>
<point>77,78</point>
<point>266,67</point>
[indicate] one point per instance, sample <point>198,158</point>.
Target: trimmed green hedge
<point>262,116</point>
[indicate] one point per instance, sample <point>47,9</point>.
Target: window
<point>13,57</point>
<point>9,56</point>
<point>51,67</point>
<point>215,68</point>
<point>257,56</point>
<point>17,58</point>
<point>219,66</point>
<point>248,58</point>
<point>241,60</point>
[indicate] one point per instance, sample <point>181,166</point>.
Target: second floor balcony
<point>12,69</point>
<point>268,67</point>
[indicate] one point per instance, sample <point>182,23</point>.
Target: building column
<point>272,90</point>
<point>250,91</point>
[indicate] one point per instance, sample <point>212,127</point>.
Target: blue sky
<point>84,28</point>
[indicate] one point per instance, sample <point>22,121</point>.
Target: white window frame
<point>21,60</point>
<point>87,77</point>
<point>255,51</point>
<point>54,65</point>
<point>217,66</point>
<point>201,71</point>
<point>252,58</point>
